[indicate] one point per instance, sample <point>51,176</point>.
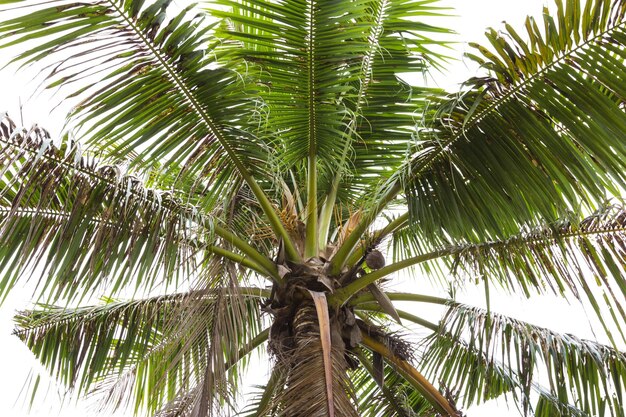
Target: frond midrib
<point>187,93</point>
<point>343,294</point>
<point>246,259</point>
<point>365,80</point>
<point>311,248</point>
<point>515,240</point>
<point>534,239</point>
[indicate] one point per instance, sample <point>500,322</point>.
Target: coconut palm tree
<point>248,174</point>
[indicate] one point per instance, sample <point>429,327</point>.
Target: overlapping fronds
<point>477,378</point>
<point>556,258</point>
<point>582,374</point>
<point>559,259</point>
<point>540,136</point>
<point>467,370</point>
<point>87,224</point>
<point>145,80</point>
<point>330,67</point>
<point>157,349</point>
<point>268,136</point>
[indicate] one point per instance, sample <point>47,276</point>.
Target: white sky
<point>17,362</point>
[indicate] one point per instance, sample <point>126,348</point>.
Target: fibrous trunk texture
<point>306,392</point>
<point>296,345</point>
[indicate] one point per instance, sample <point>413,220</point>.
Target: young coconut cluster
<point>290,298</point>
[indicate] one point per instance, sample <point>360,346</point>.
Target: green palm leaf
<point>156,348</point>
<point>468,370</point>
<point>55,201</point>
<point>478,378</point>
<point>541,135</point>
<point>318,61</point>
<point>556,258</point>
<point>182,107</point>
<point>559,126</point>
<point>346,41</point>
<point>582,373</point>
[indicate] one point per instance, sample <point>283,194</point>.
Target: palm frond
<point>340,60</point>
<point>581,373</point>
<point>543,134</point>
<point>131,42</point>
<point>558,258</point>
<point>155,348</point>
<point>152,86</point>
<point>467,370</point>
<point>87,223</point>
<point>476,378</point>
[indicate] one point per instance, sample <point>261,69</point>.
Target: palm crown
<point>266,156</point>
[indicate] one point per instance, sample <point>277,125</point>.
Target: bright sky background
<point>17,362</point>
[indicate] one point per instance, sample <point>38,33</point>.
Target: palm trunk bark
<point>305,394</point>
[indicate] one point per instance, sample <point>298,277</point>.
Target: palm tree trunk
<point>306,394</point>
